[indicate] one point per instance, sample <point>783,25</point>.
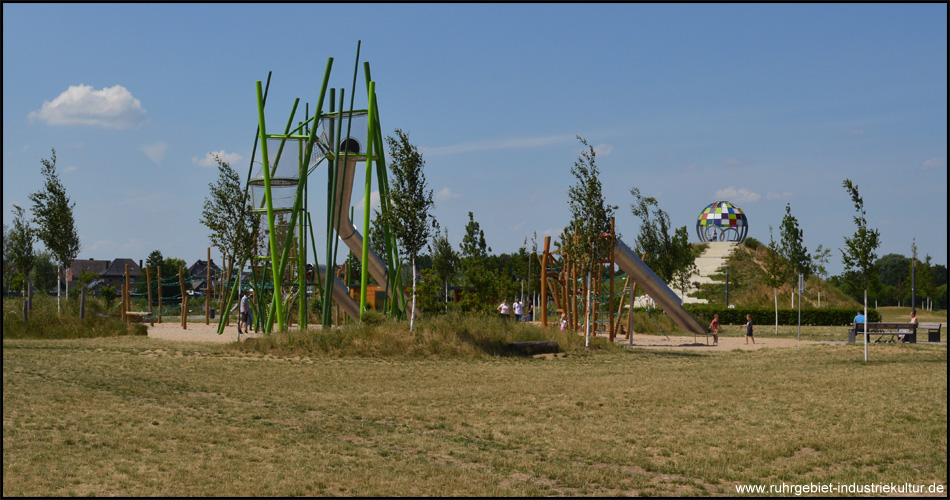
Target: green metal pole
<point>270,205</point>
<point>364,268</point>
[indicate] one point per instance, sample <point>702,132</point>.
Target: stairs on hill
<point>707,264</point>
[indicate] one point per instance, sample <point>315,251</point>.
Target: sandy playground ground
<point>199,332</point>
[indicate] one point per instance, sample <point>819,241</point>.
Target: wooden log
<point>534,347</point>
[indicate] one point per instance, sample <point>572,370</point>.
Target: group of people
<point>523,312</point>
<point>750,329</point>
<point>860,319</point>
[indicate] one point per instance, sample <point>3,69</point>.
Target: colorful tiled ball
<point>722,221</point>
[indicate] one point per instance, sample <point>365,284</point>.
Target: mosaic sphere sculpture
<point>722,221</point>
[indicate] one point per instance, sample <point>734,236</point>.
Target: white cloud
<point>603,149</point>
<point>208,160</point>
<point>373,203</point>
<point>112,107</point>
<point>155,152</point>
<point>446,194</point>
<point>515,143</point>
<point>778,196</point>
<point>71,168</point>
<point>934,163</point>
<point>741,195</point>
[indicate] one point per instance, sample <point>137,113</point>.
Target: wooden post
<point>159,279</point>
<point>184,298</point>
<point>544,281</point>
<point>26,307</point>
<point>208,291</point>
<point>126,302</point>
<point>82,302</point>
<point>610,306</point>
<point>148,281</point>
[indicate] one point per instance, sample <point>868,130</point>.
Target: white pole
<point>587,315</point>
<point>865,325</point>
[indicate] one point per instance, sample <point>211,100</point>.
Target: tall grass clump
<point>44,322</point>
<point>443,336</point>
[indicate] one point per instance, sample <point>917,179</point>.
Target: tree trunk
<point>412,316</point>
<point>776,311</point>
<point>59,300</point>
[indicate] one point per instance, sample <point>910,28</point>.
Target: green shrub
<point>817,317</point>
<point>44,322</point>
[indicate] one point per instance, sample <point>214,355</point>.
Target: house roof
<point>117,268</point>
<point>78,267</point>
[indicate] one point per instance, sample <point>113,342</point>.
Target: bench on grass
<point>881,329</point>
<point>933,331</point>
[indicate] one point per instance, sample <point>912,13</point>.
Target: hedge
<point>825,316</point>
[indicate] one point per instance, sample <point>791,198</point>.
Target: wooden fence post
<point>184,298</point>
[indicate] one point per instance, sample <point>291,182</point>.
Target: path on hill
<point>707,264</point>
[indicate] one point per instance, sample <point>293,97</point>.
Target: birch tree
<point>56,227</point>
<point>409,216</point>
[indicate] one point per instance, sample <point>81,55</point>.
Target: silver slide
<point>340,295</point>
<point>347,231</point>
<point>646,279</point>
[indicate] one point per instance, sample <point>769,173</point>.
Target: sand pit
<point>196,332</point>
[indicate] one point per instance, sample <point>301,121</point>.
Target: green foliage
<point>440,336</point>
<point>44,322</point>
<point>671,257</point>
<point>444,260</point>
<point>44,272</point>
<point>752,243</point>
<point>227,214</point>
<point>53,216</point>
<point>859,253</point>
<point>776,268</point>
<point>590,214</point>
<point>793,248</point>
<point>19,243</point>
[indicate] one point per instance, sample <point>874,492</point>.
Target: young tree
<point>227,214</point>
<point>776,270</point>
<point>56,227</point>
<point>818,266</point>
<point>670,257</point>
<point>45,274</point>
<point>860,249</point>
<point>793,248</point>
<point>409,215</point>
<point>444,261</point>
<point>474,263</point>
<point>19,245</point>
<point>590,216</point>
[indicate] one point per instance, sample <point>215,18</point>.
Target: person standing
<point>503,309</point>
<point>245,311</point>
<point>714,328</point>
<point>519,308</point>
<point>529,312</point>
<point>750,329</point>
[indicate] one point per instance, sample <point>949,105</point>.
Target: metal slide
<point>347,231</point>
<point>646,279</point>
<point>340,295</point>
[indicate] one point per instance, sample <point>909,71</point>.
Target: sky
<point>760,105</point>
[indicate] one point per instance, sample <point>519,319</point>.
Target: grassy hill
<point>747,284</point>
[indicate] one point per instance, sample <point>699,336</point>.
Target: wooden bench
<point>933,331</point>
<point>908,330</point>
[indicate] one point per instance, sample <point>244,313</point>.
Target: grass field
<point>134,416</point>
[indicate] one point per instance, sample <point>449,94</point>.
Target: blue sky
<point>760,105</point>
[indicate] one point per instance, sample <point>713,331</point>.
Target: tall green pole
<point>364,268</point>
<point>270,205</point>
